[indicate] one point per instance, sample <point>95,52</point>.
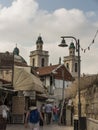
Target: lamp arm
<point>76,40</point>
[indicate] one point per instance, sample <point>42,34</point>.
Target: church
<point>40,57</point>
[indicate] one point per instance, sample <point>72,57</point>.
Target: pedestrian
<point>55,113</point>
<point>33,118</point>
<point>3,116</point>
<point>42,112</point>
<point>48,111</point>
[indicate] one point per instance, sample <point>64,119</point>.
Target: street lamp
<point>63,85</point>
<point>63,44</point>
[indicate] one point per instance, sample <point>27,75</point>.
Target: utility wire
<point>88,48</point>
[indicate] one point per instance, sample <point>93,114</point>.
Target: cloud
<point>22,22</point>
<point>91,14</point>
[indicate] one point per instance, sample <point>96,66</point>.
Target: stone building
<point>39,57</point>
<point>7,62</point>
<point>55,77</point>
<point>39,60</point>
<point>71,61</point>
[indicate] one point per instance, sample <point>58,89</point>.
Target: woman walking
<point>3,116</point>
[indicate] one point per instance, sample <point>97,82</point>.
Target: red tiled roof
<point>59,69</point>
<point>63,71</point>
<point>46,70</point>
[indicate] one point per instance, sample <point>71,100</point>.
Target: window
<point>51,80</point>
<point>76,67</point>
<point>43,62</point>
<point>41,47</point>
<point>67,65</point>
<point>33,64</point>
<point>37,46</point>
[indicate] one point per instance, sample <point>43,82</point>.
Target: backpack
<point>34,116</point>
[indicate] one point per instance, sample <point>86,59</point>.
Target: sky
<point>22,21</point>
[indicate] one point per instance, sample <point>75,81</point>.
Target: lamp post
<point>63,86</point>
<point>63,44</point>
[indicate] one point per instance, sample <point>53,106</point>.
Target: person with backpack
<point>33,117</point>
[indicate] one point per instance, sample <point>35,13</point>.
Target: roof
<point>46,70</point>
<point>6,60</point>
<point>55,70</point>
<point>24,80</point>
<point>72,46</point>
<point>39,40</point>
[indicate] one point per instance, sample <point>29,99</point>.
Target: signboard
<point>31,94</point>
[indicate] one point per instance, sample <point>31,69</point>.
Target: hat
<point>32,107</point>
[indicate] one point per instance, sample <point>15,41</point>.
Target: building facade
<point>55,78</point>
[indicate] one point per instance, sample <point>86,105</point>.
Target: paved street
<point>46,127</point>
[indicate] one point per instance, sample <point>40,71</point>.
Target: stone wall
<point>91,98</point>
<point>89,106</point>
<point>92,124</point>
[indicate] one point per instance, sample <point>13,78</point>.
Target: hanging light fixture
<point>63,43</point>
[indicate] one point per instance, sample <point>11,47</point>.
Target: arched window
<point>76,67</point>
<point>43,62</point>
<point>67,65</point>
<point>40,47</point>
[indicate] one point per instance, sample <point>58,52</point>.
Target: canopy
<point>24,80</point>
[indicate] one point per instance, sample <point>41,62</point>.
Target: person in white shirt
<point>48,110</point>
<point>3,116</point>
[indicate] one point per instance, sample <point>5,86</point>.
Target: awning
<point>7,89</point>
<point>24,80</point>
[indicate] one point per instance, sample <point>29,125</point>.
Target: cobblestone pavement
<point>46,127</point>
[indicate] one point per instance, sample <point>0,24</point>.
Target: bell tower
<point>39,44</point>
<point>71,61</point>
<point>39,57</point>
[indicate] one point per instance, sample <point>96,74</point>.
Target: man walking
<point>48,110</point>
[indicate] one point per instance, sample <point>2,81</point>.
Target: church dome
<point>39,40</point>
<point>16,51</point>
<point>18,60</point>
<point>72,46</point>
